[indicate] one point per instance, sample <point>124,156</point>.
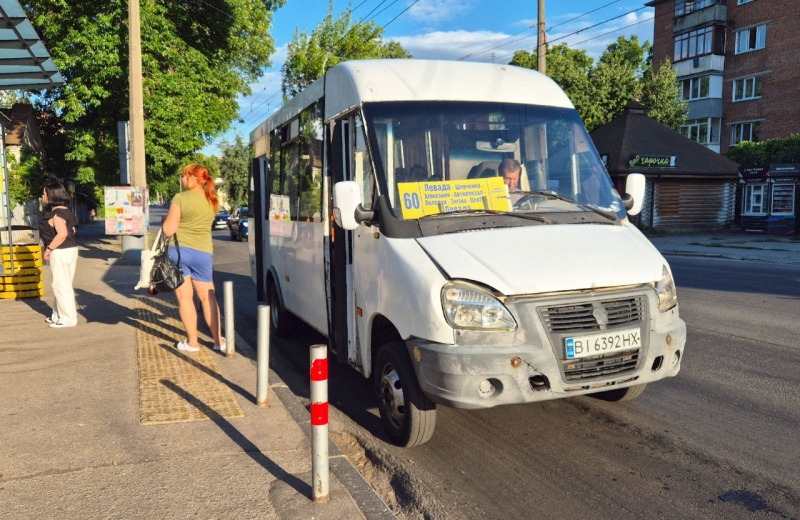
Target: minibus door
<point>340,247</point>
<point>349,249</point>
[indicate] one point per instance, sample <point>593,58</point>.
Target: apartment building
<point>738,64</point>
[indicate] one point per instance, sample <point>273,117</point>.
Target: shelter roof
<point>25,63</point>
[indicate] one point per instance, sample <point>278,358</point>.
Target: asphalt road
<point>718,441</point>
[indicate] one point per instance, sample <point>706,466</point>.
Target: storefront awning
<point>25,63</point>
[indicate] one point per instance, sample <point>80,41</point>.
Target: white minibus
<point>450,227</point>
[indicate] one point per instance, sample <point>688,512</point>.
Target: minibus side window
<point>364,174</point>
<point>291,174</point>
<point>310,164</point>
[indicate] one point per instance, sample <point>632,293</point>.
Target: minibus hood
<point>543,259</point>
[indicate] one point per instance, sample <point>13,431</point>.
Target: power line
<point>382,10</point>
<point>575,32</point>
<point>584,14</point>
<point>401,13</point>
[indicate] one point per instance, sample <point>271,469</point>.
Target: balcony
<point>700,64</point>
<point>704,108</point>
<point>714,13</point>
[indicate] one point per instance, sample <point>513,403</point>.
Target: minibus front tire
<point>280,320</point>
<point>620,394</point>
<point>407,414</point>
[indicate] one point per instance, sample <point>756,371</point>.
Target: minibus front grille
<point>609,365</point>
<point>593,315</point>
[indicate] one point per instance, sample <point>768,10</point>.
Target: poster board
<point>127,210</point>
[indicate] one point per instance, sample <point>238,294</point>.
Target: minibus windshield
<point>434,158</point>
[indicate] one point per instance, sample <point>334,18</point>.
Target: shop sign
<point>652,161</point>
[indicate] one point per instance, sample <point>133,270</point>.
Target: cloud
<point>500,47</point>
<point>450,45</point>
<point>433,11</point>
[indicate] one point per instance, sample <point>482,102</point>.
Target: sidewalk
<point>109,420</point>
<point>734,245</point>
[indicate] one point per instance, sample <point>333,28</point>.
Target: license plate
<point>602,343</point>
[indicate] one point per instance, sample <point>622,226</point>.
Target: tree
<point>196,60</point>
<point>234,167</point>
<point>779,150</point>
<point>335,39</point>
<point>571,69</point>
<point>623,73</point>
<point>662,97</point>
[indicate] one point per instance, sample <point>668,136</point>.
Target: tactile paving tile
<point>176,386</point>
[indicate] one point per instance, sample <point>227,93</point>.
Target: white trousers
<point>62,266</point>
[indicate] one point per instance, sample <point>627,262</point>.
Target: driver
<point>510,170</point>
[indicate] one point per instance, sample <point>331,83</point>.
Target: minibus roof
<point>352,83</point>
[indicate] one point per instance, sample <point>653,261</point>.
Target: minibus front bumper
<point>484,370</point>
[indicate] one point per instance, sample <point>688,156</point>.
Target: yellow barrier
<point>27,280</point>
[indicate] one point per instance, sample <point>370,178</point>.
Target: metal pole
<point>262,372</point>
<point>7,196</point>
<point>319,423</point>
<point>230,332</point>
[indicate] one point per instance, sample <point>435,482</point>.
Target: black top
<point>48,232</point>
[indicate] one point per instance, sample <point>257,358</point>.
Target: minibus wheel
<point>279,318</point>
<point>407,414</point>
<point>621,394</point>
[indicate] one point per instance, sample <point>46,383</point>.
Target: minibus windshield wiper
<point>525,216</point>
<point>607,214</point>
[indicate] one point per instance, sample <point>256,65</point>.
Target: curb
<point>727,257</point>
<point>366,498</point>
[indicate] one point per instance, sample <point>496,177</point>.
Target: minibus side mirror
<point>634,193</point>
<point>347,209</point>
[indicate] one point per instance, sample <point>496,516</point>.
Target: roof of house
<point>632,133</point>
<point>18,120</point>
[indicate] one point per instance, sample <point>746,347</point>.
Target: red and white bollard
<point>319,423</point>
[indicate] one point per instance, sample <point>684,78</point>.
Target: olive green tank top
<point>197,216</point>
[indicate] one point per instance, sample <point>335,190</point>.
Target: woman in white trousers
<point>58,233</point>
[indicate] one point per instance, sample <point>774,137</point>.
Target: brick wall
<point>663,41</point>
<point>780,102</point>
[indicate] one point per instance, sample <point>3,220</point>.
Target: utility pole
<point>133,245</point>
<point>136,107</point>
<point>541,49</point>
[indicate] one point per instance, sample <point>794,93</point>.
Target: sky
<point>475,30</point>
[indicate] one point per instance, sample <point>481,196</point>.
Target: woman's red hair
<point>200,173</point>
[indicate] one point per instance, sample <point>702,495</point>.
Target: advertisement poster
<point>279,219</point>
<point>430,198</point>
<point>127,211</point>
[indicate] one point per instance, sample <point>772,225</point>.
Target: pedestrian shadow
<point>243,442</point>
<point>215,375</point>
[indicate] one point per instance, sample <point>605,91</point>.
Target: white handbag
<point>147,262</point>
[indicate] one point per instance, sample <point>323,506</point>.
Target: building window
<point>745,132</point>
<point>702,131</point>
<point>699,42</point>
<point>751,39</point>
<point>754,199</point>
<point>748,88</point>
<point>695,88</point>
<point>740,2</point>
<point>783,199</point>
<point>683,7</point>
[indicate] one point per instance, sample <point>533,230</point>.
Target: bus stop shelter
<point>25,64</point>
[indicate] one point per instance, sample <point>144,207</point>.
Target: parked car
<point>221,219</point>
<point>238,224</point>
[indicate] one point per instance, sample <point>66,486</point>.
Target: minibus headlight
<point>467,307</point>
<point>665,288</point>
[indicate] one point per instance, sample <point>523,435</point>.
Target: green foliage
<point>196,60</point>
<point>623,73</point>
<point>781,150</point>
<point>234,166</point>
<point>26,178</point>
<point>335,39</point>
<point>662,96</point>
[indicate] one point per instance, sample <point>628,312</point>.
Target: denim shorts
<point>197,265</point>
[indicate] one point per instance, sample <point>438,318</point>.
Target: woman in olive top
<point>190,217</point>
<point>58,234</point>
